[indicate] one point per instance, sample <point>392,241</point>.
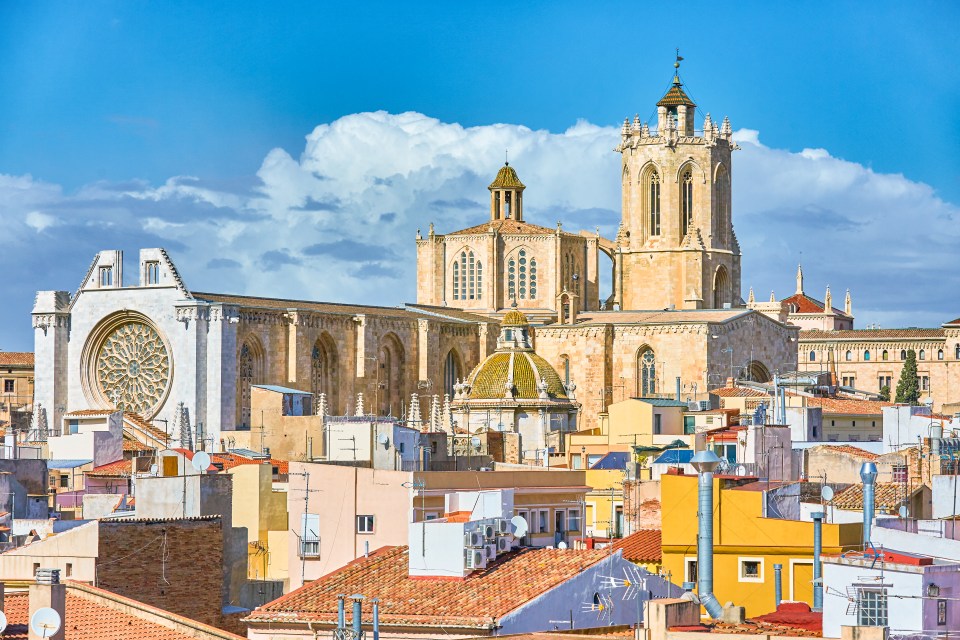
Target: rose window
<point>133,367</point>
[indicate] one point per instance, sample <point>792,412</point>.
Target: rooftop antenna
<point>506,157</point>
<point>45,622</point>
<point>306,509</point>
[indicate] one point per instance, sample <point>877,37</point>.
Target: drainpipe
<point>817,551</point>
<point>341,614</point>
<point>376,618</point>
<point>778,584</point>
<point>705,462</point>
<point>678,388</point>
<point>868,473</point>
<point>357,615</point>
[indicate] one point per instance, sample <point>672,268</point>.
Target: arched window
<point>813,356</point>
<point>646,373</point>
<point>249,373</point>
<point>722,222</point>
<point>451,372</point>
<point>956,353</point>
<point>866,355</point>
<point>324,372</point>
<point>885,355</point>
<point>565,361</point>
<point>922,355</point>
<point>653,203</point>
<point>939,354</point>
<point>467,277</point>
<point>686,201</point>
<point>849,355</point>
<point>522,277</point>
<point>903,354</point>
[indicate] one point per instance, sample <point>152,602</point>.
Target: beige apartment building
<point>16,389</point>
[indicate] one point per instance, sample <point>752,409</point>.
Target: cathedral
<point>673,324</point>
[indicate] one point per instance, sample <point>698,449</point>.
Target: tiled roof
<point>642,546</point>
<point>524,368</point>
<point>138,420</point>
<point>282,304</point>
<point>675,97</point>
<point>90,413</point>
<point>805,304</point>
<point>506,179</point>
<point>849,450</point>
<point>96,614</point>
<point>231,460</point>
<point>952,323</point>
<point>508,226</point>
<point>475,601</point>
<point>848,406</point>
<point>912,333</point>
<point>449,313</point>
<point>16,358</point>
<point>117,468</point>
<point>738,392</point>
<point>132,444</point>
<point>615,460</point>
<point>675,316</point>
<point>888,497</point>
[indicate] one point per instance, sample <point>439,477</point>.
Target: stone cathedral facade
<point>673,320</point>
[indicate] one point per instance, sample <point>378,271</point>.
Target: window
<point>924,383</point>
<point>690,570</point>
<point>900,473</point>
<point>106,276</point>
<point>467,277</point>
<point>813,356</point>
<point>573,520</point>
<point>69,569</point>
<point>309,535</point>
<point>885,355</point>
<point>8,386</point>
<point>848,356</point>
<point>903,354</point>
<point>866,355</point>
<point>36,567</point>
<point>152,272</point>
<point>690,424</point>
<point>956,353</point>
<point>646,374</point>
<point>593,459</point>
<point>686,202</point>
<point>560,521</point>
<point>523,514</point>
<point>939,354</point>
<point>723,204</point>
<point>751,570</point>
<point>654,204</point>
<point>64,481</point>
<point>872,611</point>
<point>364,524</point>
<point>543,523</point>
<point>657,424</point>
<point>922,355</point>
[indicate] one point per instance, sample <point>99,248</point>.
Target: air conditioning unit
<point>489,532</point>
<point>503,526</point>
<point>491,550</point>
<point>503,544</point>
<point>475,558</point>
<point>704,405</point>
<point>472,539</point>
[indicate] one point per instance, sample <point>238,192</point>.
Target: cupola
<point>506,195</point>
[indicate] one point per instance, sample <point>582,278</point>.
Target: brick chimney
<point>48,592</point>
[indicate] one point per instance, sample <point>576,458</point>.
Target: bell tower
<point>506,195</point>
<point>676,246</point>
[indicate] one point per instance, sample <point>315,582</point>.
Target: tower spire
<point>799,280</point>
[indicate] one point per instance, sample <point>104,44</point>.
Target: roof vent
<point>48,576</point>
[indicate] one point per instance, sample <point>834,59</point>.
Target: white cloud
<point>337,221</point>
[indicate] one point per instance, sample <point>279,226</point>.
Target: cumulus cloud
<point>336,221</point>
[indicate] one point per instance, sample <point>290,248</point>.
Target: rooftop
<point>914,333</point>
<point>509,226</point>
<point>16,359</point>
<point>641,546</point>
<point>805,304</point>
<point>738,392</point>
<point>849,406</point>
<point>888,496</point>
<point>850,450</point>
<point>473,602</point>
<point>278,389</point>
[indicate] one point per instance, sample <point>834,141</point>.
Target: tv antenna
<point>45,622</point>
<point>306,509</point>
<point>201,461</point>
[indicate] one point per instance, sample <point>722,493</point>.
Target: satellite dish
<point>383,439</point>
<point>903,511</point>
<point>741,470</point>
<point>562,545</point>
<point>45,622</point>
<point>201,461</point>
<point>826,493</point>
<point>3,621</point>
<point>519,526</point>
<point>154,470</point>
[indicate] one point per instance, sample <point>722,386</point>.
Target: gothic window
<point>248,375</point>
<point>323,371</point>
<point>522,277</point>
<point>885,355</point>
<point>956,353</point>
<point>533,278</point>
<point>451,372</point>
<point>565,361</point>
<point>653,203</point>
<point>939,354</point>
<point>922,355</point>
<point>646,373</point>
<point>467,277</point>
<point>512,279</point>
<point>848,356</point>
<point>866,355</point>
<point>686,201</point>
<point>723,204</point>
<point>903,354</point>
<point>813,356</point>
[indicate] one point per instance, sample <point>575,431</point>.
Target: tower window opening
<point>654,204</point>
<point>507,208</point>
<point>686,202</point>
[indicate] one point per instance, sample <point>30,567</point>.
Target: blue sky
<point>132,123</point>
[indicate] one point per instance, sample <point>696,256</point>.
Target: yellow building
<point>262,509</point>
<point>603,503</point>
<point>746,544</point>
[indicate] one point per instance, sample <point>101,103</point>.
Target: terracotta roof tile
<point>95,614</point>
<point>848,406</point>
<point>82,413</point>
<point>509,226</point>
<point>117,468</point>
<point>137,420</point>
<point>913,333</point>
<point>849,450</point>
<point>805,304</point>
<point>663,316</point>
<point>16,358</point>
<point>474,601</point>
<point>282,304</point>
<point>231,460</point>
<point>641,546</point>
<point>738,392</point>
<point>888,497</point>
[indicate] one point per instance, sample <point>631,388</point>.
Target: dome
<point>514,318</point>
<point>506,179</point>
<point>526,369</point>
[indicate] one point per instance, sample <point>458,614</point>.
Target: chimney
<point>817,551</point>
<point>868,473</point>
<point>705,463</point>
<point>48,592</point>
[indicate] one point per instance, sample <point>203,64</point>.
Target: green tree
<point>884,393</point>
<point>908,387</point>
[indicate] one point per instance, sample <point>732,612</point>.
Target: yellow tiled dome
<point>514,318</point>
<point>506,179</point>
<point>489,379</point>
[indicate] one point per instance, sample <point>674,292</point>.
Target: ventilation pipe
<point>868,473</point>
<point>376,618</point>
<point>678,388</point>
<point>817,551</point>
<point>778,584</point>
<point>341,614</point>
<point>357,615</point>
<point>706,462</point>
<point>936,433</point>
